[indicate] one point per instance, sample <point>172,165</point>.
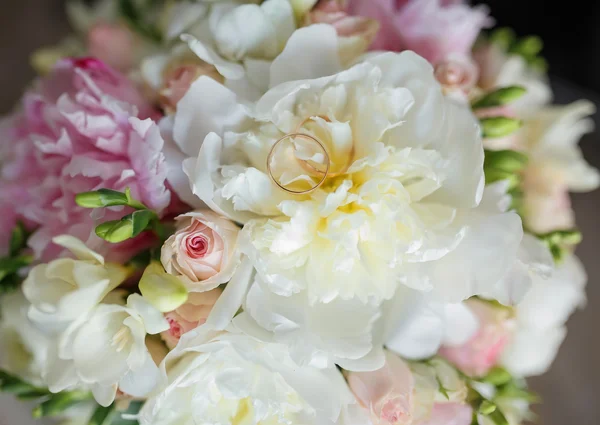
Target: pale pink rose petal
<point>482,352</point>
<point>386,393</point>
<point>203,250</point>
<point>450,414</point>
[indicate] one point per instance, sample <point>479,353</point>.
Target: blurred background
<point>571,390</point>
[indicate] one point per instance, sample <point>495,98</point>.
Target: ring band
<point>307,137</point>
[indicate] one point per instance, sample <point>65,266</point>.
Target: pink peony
<point>432,28</point>
<point>82,128</point>
<point>189,316</point>
<point>386,393</point>
<point>482,352</point>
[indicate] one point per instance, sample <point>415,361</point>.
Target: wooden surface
<point>571,390</point>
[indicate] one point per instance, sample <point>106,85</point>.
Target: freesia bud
<point>499,126</point>
<point>164,291</point>
<point>500,97</point>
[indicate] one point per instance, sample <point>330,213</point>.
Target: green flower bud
<point>115,231</point>
<point>500,97</point>
<point>499,126</point>
<point>503,37</point>
<point>101,198</point>
<point>506,160</point>
<point>164,291</point>
<point>528,47</point>
<point>497,376</point>
<point>493,175</point>
<point>487,407</point>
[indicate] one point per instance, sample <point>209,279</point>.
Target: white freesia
<point>541,318</point>
<point>501,69</point>
<point>556,165</point>
<point>66,289</point>
<point>410,179</point>
<point>24,346</point>
<point>106,351</point>
<point>229,378</point>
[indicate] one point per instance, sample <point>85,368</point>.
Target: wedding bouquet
<point>287,212</point>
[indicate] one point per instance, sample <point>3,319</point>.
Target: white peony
<point>409,179</point>
<point>106,350</point>
<point>24,346</point>
<point>541,319</point>
<point>237,39</point>
<point>224,378</point>
<point>66,289</point>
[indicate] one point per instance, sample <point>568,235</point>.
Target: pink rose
<point>450,414</point>
<point>190,315</point>
<point>458,75</point>
<point>178,78</point>
<point>114,44</point>
<point>432,28</point>
<point>386,393</point>
<point>202,252</point>
<point>82,128</point>
<point>356,33</point>
<point>481,353</point>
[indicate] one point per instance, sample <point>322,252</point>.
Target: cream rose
<point>202,252</point>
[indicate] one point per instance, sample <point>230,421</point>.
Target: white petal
<point>311,52</point>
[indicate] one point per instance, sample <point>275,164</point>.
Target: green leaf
<point>141,220</point>
<point>129,11</point>
<point>18,239</point>
<point>102,415</point>
<point>9,266</point>
<point>497,376</point>
<point>498,417</point>
<point>133,409</point>
<point>58,403</point>
<point>494,127</point>
<point>500,97</point>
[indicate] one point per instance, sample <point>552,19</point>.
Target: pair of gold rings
<point>305,164</point>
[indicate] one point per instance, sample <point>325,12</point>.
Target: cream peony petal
<point>310,52</point>
<point>232,297</point>
<point>195,118</point>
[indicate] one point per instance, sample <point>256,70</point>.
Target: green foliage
<point>560,242</point>
<point>110,416</point>
<point>506,165</point>
<point>500,97</point>
<point>15,261</point>
<point>529,48</point>
<point>49,404</point>
<point>136,16</point>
